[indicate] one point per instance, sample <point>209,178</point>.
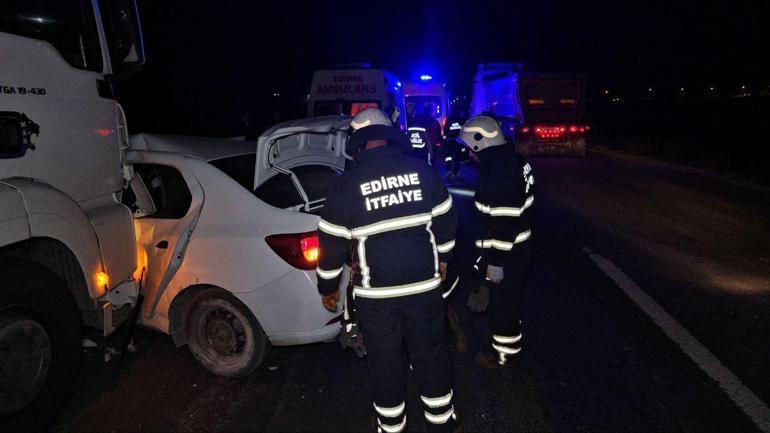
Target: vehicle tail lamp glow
<point>300,250</point>
<point>309,248</point>
<point>550,131</point>
<point>102,279</point>
<point>524,129</point>
<point>556,131</point>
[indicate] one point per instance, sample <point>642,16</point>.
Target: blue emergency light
<point>425,77</point>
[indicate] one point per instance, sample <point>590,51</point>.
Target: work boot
<point>453,326</point>
<point>490,361</point>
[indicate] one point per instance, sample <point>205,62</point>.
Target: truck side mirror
<point>124,37</point>
<point>16,131</point>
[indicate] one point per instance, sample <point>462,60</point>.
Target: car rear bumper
<point>290,310</point>
<point>291,338</point>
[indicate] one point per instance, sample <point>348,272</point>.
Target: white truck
<point>495,93</point>
<point>543,113</point>
<point>67,244</point>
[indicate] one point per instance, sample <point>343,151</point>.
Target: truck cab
<point>495,93</point>
<point>67,244</point>
<point>352,88</point>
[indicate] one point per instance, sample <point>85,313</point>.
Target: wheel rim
<point>25,361</point>
<point>221,332</point>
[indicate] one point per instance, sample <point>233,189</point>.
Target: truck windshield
<point>432,103</point>
<point>68,25</point>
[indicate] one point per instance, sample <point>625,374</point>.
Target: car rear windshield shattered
<point>280,191</point>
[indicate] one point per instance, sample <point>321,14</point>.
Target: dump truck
<point>542,113</point>
<point>554,120</point>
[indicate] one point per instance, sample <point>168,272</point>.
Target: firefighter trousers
<point>418,321</point>
<point>505,307</point>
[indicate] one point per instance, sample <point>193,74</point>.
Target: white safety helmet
<point>481,132</point>
<point>369,117</point>
<point>371,124</point>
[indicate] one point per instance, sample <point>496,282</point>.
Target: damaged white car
<point>230,248</point>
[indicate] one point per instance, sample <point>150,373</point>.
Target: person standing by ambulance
<point>453,148</point>
<point>503,200</point>
<point>397,217</point>
<point>425,134</point>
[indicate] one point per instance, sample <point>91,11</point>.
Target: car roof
<point>205,148</point>
<point>210,149</point>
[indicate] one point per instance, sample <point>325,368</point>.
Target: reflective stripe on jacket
<point>503,201</point>
<point>400,220</point>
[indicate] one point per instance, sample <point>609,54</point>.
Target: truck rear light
<point>550,131</point>
<point>578,128</point>
<point>297,249</point>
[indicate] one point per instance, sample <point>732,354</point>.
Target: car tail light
<point>524,129</point>
<point>297,249</point>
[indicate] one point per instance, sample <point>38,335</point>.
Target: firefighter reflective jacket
<point>454,125</point>
<point>503,200</point>
<point>395,214</point>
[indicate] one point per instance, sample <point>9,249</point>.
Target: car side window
<point>315,180</point>
<point>240,168</point>
<point>279,191</point>
<point>168,189</point>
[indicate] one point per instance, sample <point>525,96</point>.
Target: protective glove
<point>330,301</point>
<point>352,338</point>
<point>495,274</point>
<point>442,271</point>
<point>479,300</point>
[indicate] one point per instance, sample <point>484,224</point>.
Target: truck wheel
<point>40,345</point>
<point>223,334</point>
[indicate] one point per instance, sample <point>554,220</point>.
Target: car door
<point>163,236</point>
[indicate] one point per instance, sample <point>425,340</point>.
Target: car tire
<point>223,334</point>
<point>40,345</point>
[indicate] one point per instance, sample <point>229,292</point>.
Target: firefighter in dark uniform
<point>425,134</point>
<point>453,148</point>
<point>397,217</point>
<point>503,201</point>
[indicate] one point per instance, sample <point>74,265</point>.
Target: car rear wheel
<point>223,334</point>
<point>40,345</point>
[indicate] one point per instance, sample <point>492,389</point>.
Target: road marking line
<point>746,400</point>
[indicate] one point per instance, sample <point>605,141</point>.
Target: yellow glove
<point>330,301</point>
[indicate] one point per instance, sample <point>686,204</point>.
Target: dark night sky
<point>205,65</point>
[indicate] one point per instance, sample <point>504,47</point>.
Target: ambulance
<point>350,89</point>
<point>427,91</point>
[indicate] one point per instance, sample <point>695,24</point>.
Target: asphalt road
<point>593,360</point>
